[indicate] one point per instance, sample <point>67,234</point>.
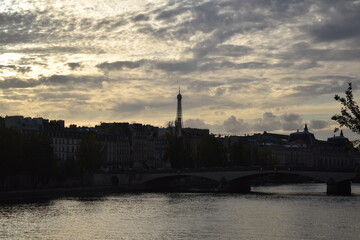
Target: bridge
<point>220,180</point>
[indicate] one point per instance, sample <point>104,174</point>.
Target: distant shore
<point>45,194</point>
<point>16,196</point>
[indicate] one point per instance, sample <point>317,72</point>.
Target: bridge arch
<point>180,182</point>
<point>337,182</point>
<point>315,175</point>
<point>259,175</point>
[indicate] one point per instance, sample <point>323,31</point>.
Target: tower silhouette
<point>178,120</point>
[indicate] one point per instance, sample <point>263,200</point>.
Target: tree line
<point>32,155</point>
<point>208,152</point>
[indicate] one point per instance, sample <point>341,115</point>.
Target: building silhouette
<point>124,145</point>
<point>137,146</point>
<point>300,149</point>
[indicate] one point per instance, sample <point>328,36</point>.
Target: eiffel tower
<point>178,120</point>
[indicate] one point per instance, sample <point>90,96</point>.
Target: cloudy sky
<point>243,66</point>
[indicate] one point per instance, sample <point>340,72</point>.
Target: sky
<point>243,66</point>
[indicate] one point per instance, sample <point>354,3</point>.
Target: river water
<point>296,212</point>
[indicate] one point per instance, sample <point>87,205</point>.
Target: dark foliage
<point>11,143</point>
<point>210,152</point>
<point>38,156</point>
<point>350,112</point>
<point>91,155</point>
<point>244,155</point>
<point>262,157</point>
<point>239,155</point>
<point>177,151</point>
<point>69,168</point>
<point>25,155</point>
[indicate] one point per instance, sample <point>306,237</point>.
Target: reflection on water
<point>277,212</point>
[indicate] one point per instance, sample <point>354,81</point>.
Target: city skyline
<point>243,66</point>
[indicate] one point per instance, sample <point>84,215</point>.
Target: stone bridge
<point>338,182</point>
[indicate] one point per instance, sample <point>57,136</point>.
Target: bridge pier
<point>338,188</point>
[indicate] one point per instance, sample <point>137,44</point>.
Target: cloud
<point>304,51</point>
<point>226,55</point>
<point>140,17</point>
<point>342,22</point>
<point>196,123</point>
<point>93,81</point>
<point>222,19</point>
<point>269,122</point>
<point>199,123</point>
<point>56,49</point>
<point>16,28</point>
<point>18,83</point>
<point>7,66</point>
<point>120,65</point>
<point>63,96</point>
<point>321,85</point>
<point>305,65</point>
<point>32,61</point>
<point>235,126</point>
<point>137,106</point>
<point>290,122</point>
<point>53,80</point>
<point>53,29</point>
<point>217,22</point>
<point>207,28</point>
<point>185,66</point>
<point>23,69</point>
<point>73,65</point>
<point>231,50</point>
<point>19,69</point>
<point>319,124</point>
<point>130,107</point>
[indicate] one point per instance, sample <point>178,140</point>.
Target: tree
<point>70,168</point>
<point>38,155</point>
<point>239,154</point>
<point>350,112</point>
<point>177,152</point>
<point>11,142</point>
<point>25,155</point>
<point>262,157</point>
<point>210,152</point>
<point>91,153</point>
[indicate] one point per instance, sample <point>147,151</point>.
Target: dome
<point>305,137</point>
<point>339,140</point>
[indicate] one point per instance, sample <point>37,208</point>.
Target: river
<point>296,212</point>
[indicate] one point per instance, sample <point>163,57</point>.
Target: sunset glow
<point>243,66</point>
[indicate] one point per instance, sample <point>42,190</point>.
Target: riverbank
<point>33,195</point>
<point>53,193</point>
